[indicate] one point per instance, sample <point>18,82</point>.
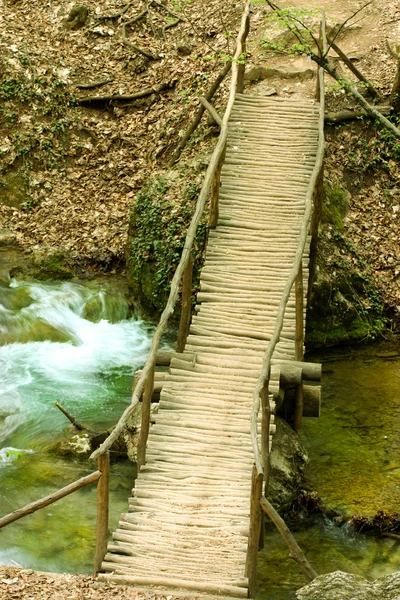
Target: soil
<point>25,584</point>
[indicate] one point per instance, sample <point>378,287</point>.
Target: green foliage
<point>48,94</point>
<point>157,234</point>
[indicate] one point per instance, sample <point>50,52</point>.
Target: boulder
<point>345,586</point>
<point>288,461</point>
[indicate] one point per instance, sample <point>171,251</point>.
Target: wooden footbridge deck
<point>193,521</point>
<point>188,520</point>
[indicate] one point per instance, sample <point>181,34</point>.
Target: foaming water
<point>86,372</point>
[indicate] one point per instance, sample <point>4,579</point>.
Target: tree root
<point>90,86</point>
<point>130,44</point>
<point>156,89</point>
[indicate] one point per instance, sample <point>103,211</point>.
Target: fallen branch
<point>70,417</point>
<point>90,86</point>
<point>172,24</point>
<point>345,83</point>
<point>323,61</point>
<point>209,107</point>
<point>197,118</point>
<point>295,551</point>
<point>354,70</point>
<point>348,115</point>
<point>137,18</point>
<point>130,44</point>
<point>114,15</point>
<point>156,89</point>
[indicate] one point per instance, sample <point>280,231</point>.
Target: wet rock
<point>345,586</point>
<point>288,461</point>
<point>78,445</point>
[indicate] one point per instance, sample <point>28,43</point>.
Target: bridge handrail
<point>101,477</point>
<point>266,365</point>
<point>148,369</point>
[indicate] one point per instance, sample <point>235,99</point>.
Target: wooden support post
<point>254,531</point>
<point>145,424</point>
<point>370,88</point>
<point>299,346</point>
<point>298,411</point>
<point>103,485</point>
<point>265,421</point>
<point>34,506</point>
<point>215,185</point>
<point>242,60</point>
<point>299,333</point>
<point>294,549</point>
<point>186,306</point>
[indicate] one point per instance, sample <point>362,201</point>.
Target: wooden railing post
<point>299,346</point>
<point>256,521</point>
<point>145,423</point>
<point>102,510</point>
<point>186,306</point>
<point>265,421</point>
<point>242,60</point>
<point>43,502</point>
<point>215,185</point>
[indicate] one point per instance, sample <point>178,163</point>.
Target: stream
<point>75,343</point>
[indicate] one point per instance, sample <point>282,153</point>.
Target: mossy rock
<point>335,206</point>
<point>112,308</point>
<point>344,307</point>
<point>15,298</point>
<point>37,330</point>
<point>14,189</point>
<point>159,219</point>
<point>51,268</point>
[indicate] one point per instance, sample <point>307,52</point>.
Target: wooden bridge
<point>194,520</point>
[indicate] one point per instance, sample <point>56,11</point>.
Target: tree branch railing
<point>101,477</point>
<point>262,385</point>
<point>148,369</point>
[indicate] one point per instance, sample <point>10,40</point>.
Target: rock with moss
<point>344,305</point>
<point>77,17</point>
<point>44,268</point>
<point>160,216</point>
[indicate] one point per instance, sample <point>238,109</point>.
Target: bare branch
<point>345,23</point>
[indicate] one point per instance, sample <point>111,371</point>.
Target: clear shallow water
<point>354,450</point>
<point>355,445</point>
<point>75,345</point>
